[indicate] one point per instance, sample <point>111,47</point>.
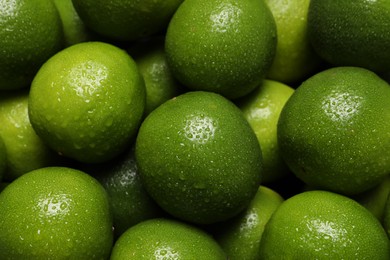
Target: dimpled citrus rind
<point>55,212</point>
<point>166,239</point>
<point>30,32</point>
<point>329,133</point>
<point>87,101</point>
<point>223,46</point>
<point>126,20</point>
<point>199,158</point>
<point>323,225</point>
<point>346,33</point>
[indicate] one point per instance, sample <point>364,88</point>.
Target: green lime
<point>333,132</point>
<point>223,46</point>
<point>240,237</point>
<point>159,82</point>
<point>262,109</point>
<point>295,58</point>
<point>25,150</point>
<point>375,199</point>
<point>74,29</point>
<point>386,217</point>
<point>30,32</point>
<point>55,213</point>
<point>199,158</point>
<point>323,225</point>
<point>126,20</point>
<point>87,101</point>
<point>3,158</point>
<point>166,239</point>
<point>130,203</point>
<point>351,33</point>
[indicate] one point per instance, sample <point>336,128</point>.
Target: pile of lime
<point>194,129</point>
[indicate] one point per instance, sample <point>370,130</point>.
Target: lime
<point>262,109</point>
<point>295,58</point>
<point>166,239</point>
<point>375,199</point>
<point>240,237</point>
<point>223,46</point>
<point>30,32</point>
<point>3,158</point>
<point>87,101</point>
<point>126,20</point>
<point>130,203</point>
<point>333,132</point>
<point>25,150</point>
<point>386,217</point>
<point>55,213</point>
<point>351,33</point>
<point>74,29</point>
<point>199,158</point>
<point>159,82</point>
<point>323,225</point>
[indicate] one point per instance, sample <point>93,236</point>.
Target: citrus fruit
<point>223,46</point>
<point>351,33</point>
<point>160,84</point>
<point>198,157</point>
<point>3,158</point>
<point>126,20</point>
<point>333,132</point>
<point>323,225</point>
<point>295,58</point>
<point>130,203</point>
<point>386,217</point>
<point>375,199</point>
<point>240,237</point>
<point>30,32</point>
<point>87,101</point>
<point>262,109</point>
<point>55,212</point>
<point>25,150</point>
<point>73,27</point>
<point>166,239</point>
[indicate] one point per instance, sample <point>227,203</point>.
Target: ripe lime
<point>262,110</point>
<point>386,217</point>
<point>199,158</point>
<point>351,33</point>
<point>30,32</point>
<point>166,239</point>
<point>25,150</point>
<point>55,212</point>
<point>87,101</point>
<point>240,237</point>
<point>159,82</point>
<point>223,46</point>
<point>130,203</point>
<point>73,27</point>
<point>3,158</point>
<point>375,199</point>
<point>295,58</point>
<point>323,225</point>
<point>126,20</point>
<point>333,132</point>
